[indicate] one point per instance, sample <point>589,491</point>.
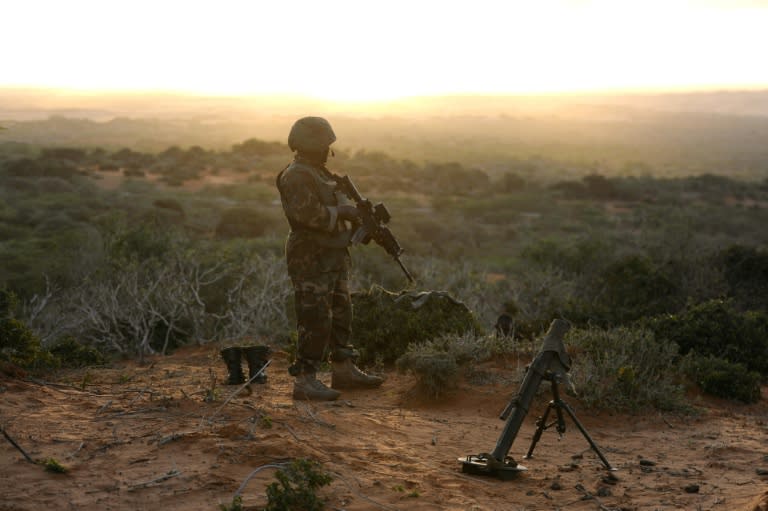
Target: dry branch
<point>170,438</point>
<point>170,475</point>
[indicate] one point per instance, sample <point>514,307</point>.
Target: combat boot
<point>346,375</point>
<point>232,357</point>
<point>256,357</point>
<point>307,387</point>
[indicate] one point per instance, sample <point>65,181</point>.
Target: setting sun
<point>363,51</point>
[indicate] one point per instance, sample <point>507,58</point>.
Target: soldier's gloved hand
<point>348,212</point>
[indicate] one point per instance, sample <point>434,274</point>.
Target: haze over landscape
<point>602,68</point>
<point>358,51</point>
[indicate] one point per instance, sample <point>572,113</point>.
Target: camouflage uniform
<point>318,260</point>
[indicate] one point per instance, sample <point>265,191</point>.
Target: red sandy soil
<point>144,437</point>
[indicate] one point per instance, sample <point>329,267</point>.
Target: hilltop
<point>168,435</point>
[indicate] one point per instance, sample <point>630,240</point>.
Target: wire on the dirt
<point>256,471</point>
<point>70,456</point>
<point>173,473</point>
<point>17,446</point>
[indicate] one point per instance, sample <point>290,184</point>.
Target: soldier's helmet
<point>311,134</point>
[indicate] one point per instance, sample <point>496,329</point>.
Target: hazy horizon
<point>23,104</point>
<point>355,52</point>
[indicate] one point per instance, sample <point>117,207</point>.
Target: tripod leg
<point>592,443</point>
<point>541,422</point>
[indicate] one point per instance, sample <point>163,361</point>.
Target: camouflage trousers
<point>323,315</point>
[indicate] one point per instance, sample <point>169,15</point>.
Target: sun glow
<point>359,51</point>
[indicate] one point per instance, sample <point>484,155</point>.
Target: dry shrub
<point>626,369</point>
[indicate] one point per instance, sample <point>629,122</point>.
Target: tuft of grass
<point>51,465</point>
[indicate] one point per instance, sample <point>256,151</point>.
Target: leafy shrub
<point>534,299</point>
<point>627,290</point>
<point>134,173</point>
<point>625,368</point>
<point>137,242</point>
<point>71,353</point>
<point>54,185</point>
<point>436,371</point>
<point>236,505</point>
<point>18,344</point>
<point>716,328</point>
<point>510,182</point>
<point>22,167</point>
<point>746,272</point>
<point>452,178</point>
<point>170,204</point>
<point>581,257</point>
<point>437,363</point>
<point>65,153</point>
<point>255,148</point>
<point>385,323</point>
<point>725,379</point>
<point>241,222</point>
<point>296,487</point>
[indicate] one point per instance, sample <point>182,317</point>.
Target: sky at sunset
<point>367,50</point>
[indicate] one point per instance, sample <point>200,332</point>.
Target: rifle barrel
<point>405,270</point>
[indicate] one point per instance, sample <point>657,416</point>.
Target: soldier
<point>319,263</point>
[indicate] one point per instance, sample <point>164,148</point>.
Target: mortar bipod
<point>559,405</point>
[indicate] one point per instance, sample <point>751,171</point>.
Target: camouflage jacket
<point>318,239</point>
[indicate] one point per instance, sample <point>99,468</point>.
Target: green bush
<point>592,186</point>
<point>141,241</point>
<point>236,505</point>
<point>716,328</point>
<point>746,271</point>
<point>296,487</point>
<point>629,289</point>
<point>71,353</point>
<point>257,148</point>
<point>725,379</point>
<point>436,362</point>
<point>436,371</point>
<point>18,344</point>
<point>242,222</point>
<point>626,369</point>
<point>385,323</point>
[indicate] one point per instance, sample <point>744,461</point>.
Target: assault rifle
<point>372,222</point>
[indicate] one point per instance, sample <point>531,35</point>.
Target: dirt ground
<point>164,436</point>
